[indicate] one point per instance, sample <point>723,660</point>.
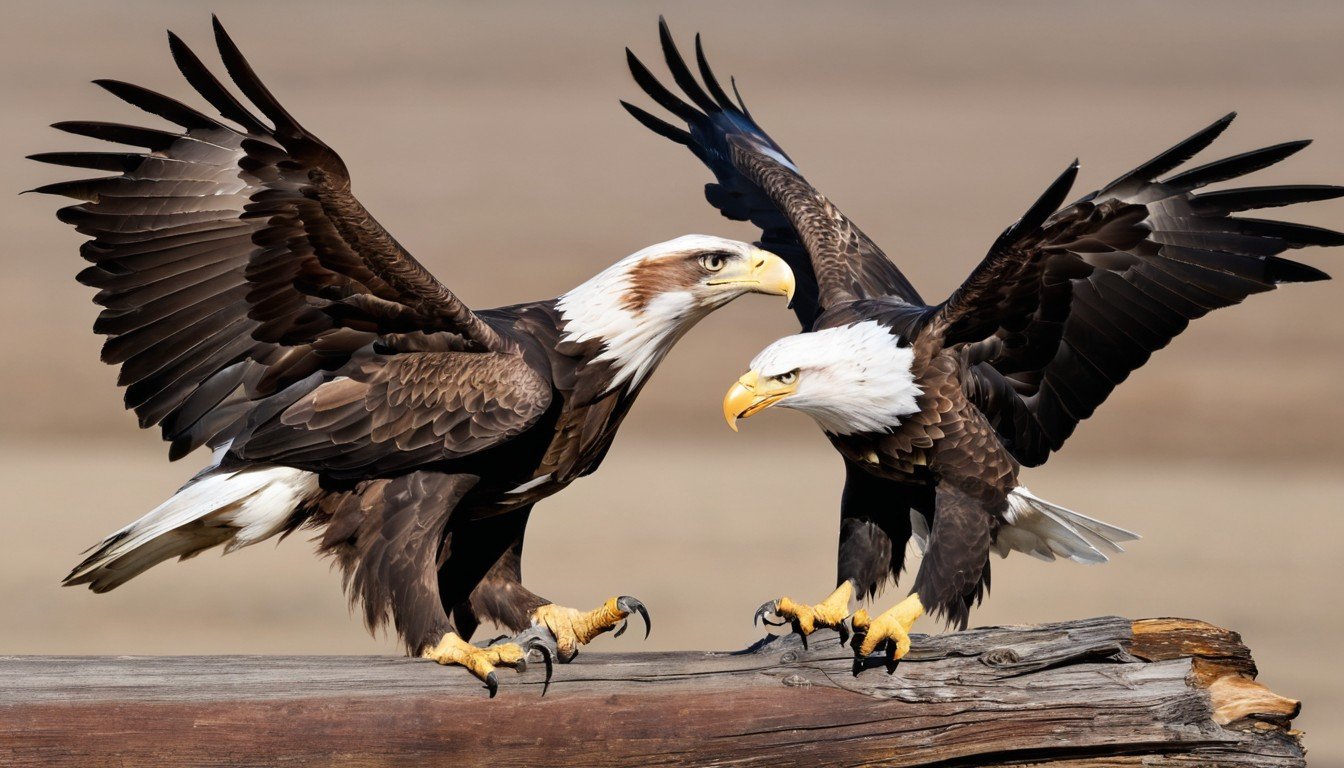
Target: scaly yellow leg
<point>572,627</point>
<point>806,619</point>
<point>481,662</point>
<point>891,628</point>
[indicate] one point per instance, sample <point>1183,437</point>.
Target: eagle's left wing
<point>1067,303</point>
<point>832,259</point>
<point>232,258</point>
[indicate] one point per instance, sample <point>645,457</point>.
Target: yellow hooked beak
<point>751,395</point>
<point>764,273</point>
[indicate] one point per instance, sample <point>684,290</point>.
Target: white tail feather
<point>232,507</point>
<point>1044,530</point>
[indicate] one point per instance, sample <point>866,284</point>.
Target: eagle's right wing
<point>1071,299</point>
<point>232,259</point>
<point>833,260</point>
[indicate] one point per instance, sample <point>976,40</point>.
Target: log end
<point>1220,664</point>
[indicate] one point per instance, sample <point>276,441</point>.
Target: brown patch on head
<point>655,276</point>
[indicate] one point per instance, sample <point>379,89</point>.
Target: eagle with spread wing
<point>935,408</point>
<point>256,308</point>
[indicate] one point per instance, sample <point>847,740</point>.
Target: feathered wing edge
<point>232,260</point>
<point>757,181</point>
<point>1067,304</point>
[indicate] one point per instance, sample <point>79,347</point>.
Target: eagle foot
<point>571,627</point>
<point>806,619</point>
<point>482,661</point>
<point>889,632</point>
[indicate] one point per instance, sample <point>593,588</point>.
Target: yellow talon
<point>892,626</point>
<point>481,662</point>
<point>572,628</point>
<point>830,612</point>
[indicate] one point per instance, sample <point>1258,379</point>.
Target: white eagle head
<point>641,305</point>
<point>854,378</point>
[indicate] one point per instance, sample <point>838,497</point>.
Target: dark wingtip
<point>176,44</point>
<point>740,103</point>
<point>1049,202</point>
<point>660,127</point>
<point>1286,271</point>
<point>222,38</point>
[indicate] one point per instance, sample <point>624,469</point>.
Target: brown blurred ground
<point>487,137</point>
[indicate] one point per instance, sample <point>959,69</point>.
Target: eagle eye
<point>713,262</point>
<point>787,378</point>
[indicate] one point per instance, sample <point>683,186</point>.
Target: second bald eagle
<point>936,407</point>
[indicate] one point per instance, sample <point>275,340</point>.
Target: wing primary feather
<point>740,103</point>
<point>204,81</point>
<point>1178,154</point>
<point>122,162</point>
<point>247,81</point>
<point>78,189</point>
<point>1295,235</point>
<point>645,79</point>
<point>711,82</point>
<point>1279,270</point>
<point>149,138</point>
<point>1049,202</point>
<point>1250,198</point>
<point>155,103</point>
<point>1237,165</point>
<point>659,127</point>
<point>680,72</point>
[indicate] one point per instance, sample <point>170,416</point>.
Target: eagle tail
<point>235,507</point>
<point>1046,531</point>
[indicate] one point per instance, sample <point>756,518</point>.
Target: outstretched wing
<point>833,260</point>
<point>1068,303</point>
<point>232,259</point>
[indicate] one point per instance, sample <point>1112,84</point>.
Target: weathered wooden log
<point>1098,692</point>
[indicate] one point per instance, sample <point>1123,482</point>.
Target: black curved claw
<point>631,605</point>
<point>843,629</point>
<point>887,657</point>
<point>492,684</point>
<point>549,661</point>
<point>868,662</point>
<point>538,638</point>
<point>762,615</point>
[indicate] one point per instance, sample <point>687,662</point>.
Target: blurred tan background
<point>487,137</point>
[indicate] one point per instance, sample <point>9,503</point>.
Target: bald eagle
<point>935,408</point>
<point>257,309</point>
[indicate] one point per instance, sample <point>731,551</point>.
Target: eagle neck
<point>631,337</point>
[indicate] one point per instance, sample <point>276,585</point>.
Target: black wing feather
<point>756,180</point>
<point>233,264</point>
<point>1066,306</point>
